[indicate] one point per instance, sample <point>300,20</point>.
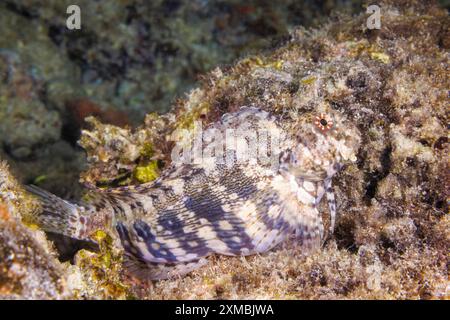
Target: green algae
<point>147,173</point>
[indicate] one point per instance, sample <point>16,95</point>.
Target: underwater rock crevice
<point>373,178</point>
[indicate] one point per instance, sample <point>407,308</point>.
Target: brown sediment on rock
<point>81,108</point>
<point>392,234</point>
<point>78,109</point>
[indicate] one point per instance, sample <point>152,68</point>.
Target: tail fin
<point>58,215</point>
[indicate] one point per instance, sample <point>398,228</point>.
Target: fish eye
<point>323,122</point>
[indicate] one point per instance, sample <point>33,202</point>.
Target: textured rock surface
<point>29,265</point>
<point>392,233</point>
<point>139,55</point>
<point>29,268</point>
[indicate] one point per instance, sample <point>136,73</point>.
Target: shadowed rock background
<point>132,62</point>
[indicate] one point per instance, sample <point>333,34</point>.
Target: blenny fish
<point>222,203</point>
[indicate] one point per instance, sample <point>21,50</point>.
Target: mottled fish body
<point>230,201</point>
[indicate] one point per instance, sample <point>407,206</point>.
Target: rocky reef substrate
<point>392,233</point>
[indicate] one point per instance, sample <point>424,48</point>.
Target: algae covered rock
<point>29,264</point>
<point>29,268</point>
<point>26,122</point>
<point>128,59</point>
<point>24,130</point>
<point>122,155</point>
<point>392,234</point>
<point>140,55</point>
<point>31,125</point>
